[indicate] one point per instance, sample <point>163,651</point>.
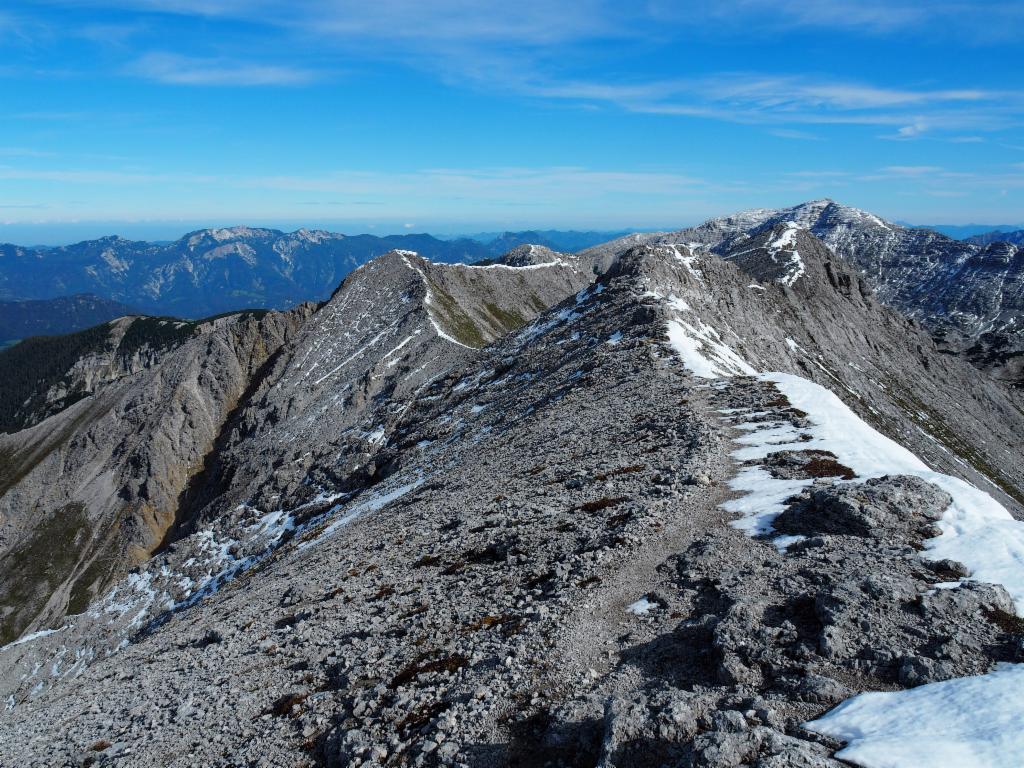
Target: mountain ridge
<point>541,544</point>
<point>1015,236</point>
<point>961,292</point>
<point>215,270</point>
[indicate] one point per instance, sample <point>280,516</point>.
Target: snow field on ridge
<point>972,722</point>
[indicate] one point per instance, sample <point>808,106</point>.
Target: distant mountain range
<point>212,270</point>
<point>568,241</point>
<point>220,270</point>
<point>963,231</point>
<point>48,317</point>
<point>998,236</point>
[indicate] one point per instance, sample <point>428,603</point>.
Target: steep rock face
<point>958,290</point>
<point>543,569</point>
<point>43,376</point>
<point>92,490</point>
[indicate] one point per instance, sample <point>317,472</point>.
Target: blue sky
<point>159,115</point>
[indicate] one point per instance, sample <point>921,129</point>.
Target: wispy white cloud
<point>527,21</point>
<point>184,70</point>
<point>23,152</point>
<point>97,177</point>
<point>978,20</point>
<point>912,170</point>
<point>793,133</point>
<point>818,174</point>
<point>426,192</point>
<point>537,184</point>
<point>758,98</point>
<point>530,48</point>
<point>537,20</point>
<point>537,194</point>
<point>493,183</point>
<point>937,181</point>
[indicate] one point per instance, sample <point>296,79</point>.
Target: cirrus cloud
<point>184,70</point>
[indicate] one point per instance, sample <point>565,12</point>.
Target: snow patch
<point>641,607</point>
<point>971,722</point>
<point>976,529</point>
<point>786,243</point>
<point>688,260</point>
<point>33,636</point>
<point>370,505</point>
<point>703,352</point>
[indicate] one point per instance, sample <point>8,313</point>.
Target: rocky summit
<point>718,497</point>
<point>968,294</point>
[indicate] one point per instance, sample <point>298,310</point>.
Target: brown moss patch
<point>603,503</point>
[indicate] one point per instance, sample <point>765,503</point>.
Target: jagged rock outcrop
<point>532,560</point>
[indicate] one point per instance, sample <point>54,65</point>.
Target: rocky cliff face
<point>958,290</point>
<point>672,518</point>
<point>93,489</point>
<point>42,376</point>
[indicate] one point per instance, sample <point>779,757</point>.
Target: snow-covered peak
<point>314,235</point>
<point>812,215</point>
<point>225,234</point>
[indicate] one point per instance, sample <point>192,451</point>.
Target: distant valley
<point>65,314</point>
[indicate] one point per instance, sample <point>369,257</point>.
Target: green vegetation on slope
<point>36,567</point>
<point>29,369</point>
<point>455,321</point>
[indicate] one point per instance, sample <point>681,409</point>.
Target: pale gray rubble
<point>541,571</point>
<point>969,296</point>
<point>311,416</point>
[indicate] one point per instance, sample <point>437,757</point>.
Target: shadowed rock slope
<point>92,490</point>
